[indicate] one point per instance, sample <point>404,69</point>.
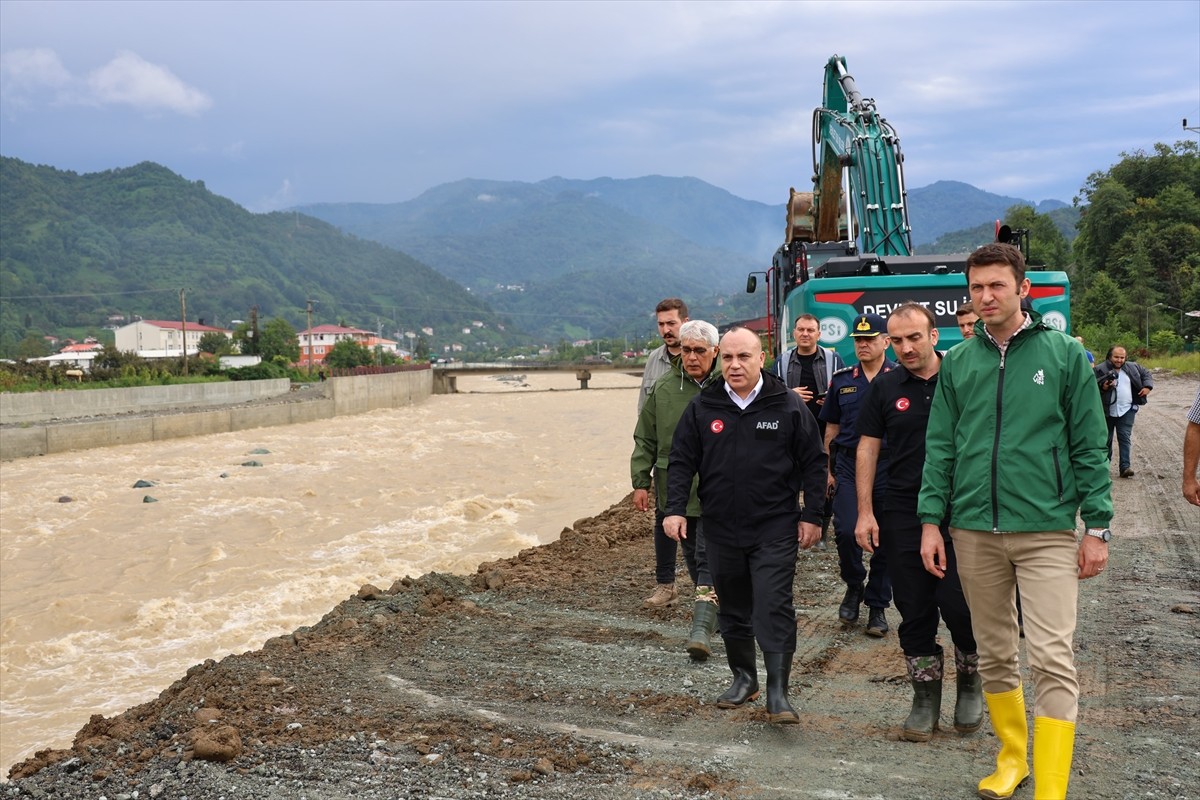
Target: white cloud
<point>26,72</point>
<point>283,197</point>
<point>131,80</point>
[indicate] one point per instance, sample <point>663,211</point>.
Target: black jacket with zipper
<point>752,463</point>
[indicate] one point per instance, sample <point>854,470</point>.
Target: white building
<point>163,336</point>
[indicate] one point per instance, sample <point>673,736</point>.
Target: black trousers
<point>919,596</point>
<point>754,583</point>
<point>666,552</point>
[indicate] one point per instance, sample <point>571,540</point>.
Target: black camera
<point>1111,377</point>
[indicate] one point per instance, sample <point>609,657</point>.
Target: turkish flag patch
<point>717,426</point>
<point>902,404</point>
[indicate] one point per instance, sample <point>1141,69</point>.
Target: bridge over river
<point>445,376</point>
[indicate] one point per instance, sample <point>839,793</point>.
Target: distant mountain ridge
<point>579,249</point>
<point>946,206</point>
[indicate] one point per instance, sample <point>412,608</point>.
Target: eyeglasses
<point>694,351</point>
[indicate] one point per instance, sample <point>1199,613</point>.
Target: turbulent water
<point>107,599</point>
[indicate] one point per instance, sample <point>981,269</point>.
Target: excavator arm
<point>850,139</point>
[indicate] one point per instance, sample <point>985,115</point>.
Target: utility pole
<point>183,328</point>
<point>253,332</point>
<point>308,309</point>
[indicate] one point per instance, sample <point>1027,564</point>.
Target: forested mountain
<point>567,256</point>
<point>948,206</point>
<point>77,249</point>
<point>540,262</point>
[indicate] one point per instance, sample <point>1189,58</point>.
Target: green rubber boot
<point>925,672</point>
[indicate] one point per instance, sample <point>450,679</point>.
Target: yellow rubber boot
<point>1007,710</point>
<point>1053,746</point>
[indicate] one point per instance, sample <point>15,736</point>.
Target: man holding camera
<point>806,369</point>
<point>1124,385</point>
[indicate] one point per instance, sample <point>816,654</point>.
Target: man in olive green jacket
<point>1015,447</point>
<point>656,423</point>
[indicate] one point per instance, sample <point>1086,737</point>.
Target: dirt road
<point>541,677</point>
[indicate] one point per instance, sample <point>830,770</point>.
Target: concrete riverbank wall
<point>73,421</point>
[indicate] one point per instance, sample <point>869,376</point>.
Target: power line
<point>84,294</point>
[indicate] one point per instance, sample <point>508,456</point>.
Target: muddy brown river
<point>106,599</point>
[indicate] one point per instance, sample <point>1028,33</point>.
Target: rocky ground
<point>541,676</point>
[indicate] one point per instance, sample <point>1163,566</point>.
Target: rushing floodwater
<point>106,600</point>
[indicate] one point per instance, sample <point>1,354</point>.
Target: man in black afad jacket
<point>756,446</point>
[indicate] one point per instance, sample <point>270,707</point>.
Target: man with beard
<point>896,409</point>
<point>669,314</point>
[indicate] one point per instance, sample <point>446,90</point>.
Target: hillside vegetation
<point>536,263</point>
<point>77,249</point>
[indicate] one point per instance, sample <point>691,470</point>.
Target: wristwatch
<point>1103,534</point>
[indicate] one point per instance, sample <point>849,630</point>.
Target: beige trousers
<point>992,566</point>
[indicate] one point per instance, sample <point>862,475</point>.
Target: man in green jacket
<point>1015,447</point>
<point>656,423</point>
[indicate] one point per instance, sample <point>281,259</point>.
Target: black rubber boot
<point>968,705</point>
<point>741,656</point>
<point>779,669</point>
<point>704,622</point>
<point>925,672</point>
<point>848,610</point>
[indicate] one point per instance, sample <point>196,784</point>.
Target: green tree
<point>32,346</point>
<point>216,343</point>
<point>244,341</point>
<point>1047,246</point>
<point>347,354</point>
<point>1142,228</point>
<point>1101,303</point>
<point>278,339</point>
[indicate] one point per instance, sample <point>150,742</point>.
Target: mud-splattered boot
<point>968,703</point>
<point>925,672</point>
<point>664,595</point>
<point>704,623</point>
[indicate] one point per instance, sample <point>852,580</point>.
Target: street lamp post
<point>1180,310</point>
<point>1162,305</point>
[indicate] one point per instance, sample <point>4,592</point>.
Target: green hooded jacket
<point>1017,443</point>
<point>655,429</point>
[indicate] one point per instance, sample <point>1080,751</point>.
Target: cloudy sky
<point>274,104</point>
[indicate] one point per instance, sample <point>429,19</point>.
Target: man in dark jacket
<point>1124,385</point>
<point>755,446</point>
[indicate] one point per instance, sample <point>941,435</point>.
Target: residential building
<point>163,338</point>
<point>315,343</point>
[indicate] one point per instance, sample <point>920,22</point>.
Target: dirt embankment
<point>541,676</point>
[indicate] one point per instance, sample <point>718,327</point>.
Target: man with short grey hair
<point>652,449</point>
